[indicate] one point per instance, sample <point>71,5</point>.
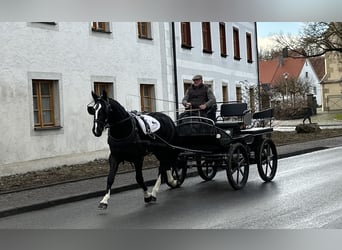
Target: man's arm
<point>185,98</point>
<point>211,97</point>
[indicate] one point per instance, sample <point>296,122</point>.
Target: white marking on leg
<point>155,189</point>
<point>106,198</point>
<point>170,179</point>
<point>147,194</point>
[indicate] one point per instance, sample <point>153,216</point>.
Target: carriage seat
<point>234,116</point>
<point>264,117</point>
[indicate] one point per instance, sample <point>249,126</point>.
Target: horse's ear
<point>104,95</point>
<point>95,96</point>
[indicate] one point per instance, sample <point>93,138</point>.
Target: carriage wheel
<point>238,166</point>
<point>207,170</point>
<point>178,171</point>
<point>267,160</point>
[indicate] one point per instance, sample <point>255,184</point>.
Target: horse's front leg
<point>113,168</point>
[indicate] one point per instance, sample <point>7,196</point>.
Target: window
<point>186,35</point>
<point>236,42</point>
<point>147,98</point>
<point>206,36</point>
<point>224,93</point>
<point>223,40</point>
<point>144,30</point>
<point>101,27</point>
<point>107,86</point>
<point>186,86</point>
<point>238,94</point>
<point>306,74</point>
<point>249,47</point>
<point>44,106</point>
<point>251,99</point>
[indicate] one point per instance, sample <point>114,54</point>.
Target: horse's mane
<point>120,124</point>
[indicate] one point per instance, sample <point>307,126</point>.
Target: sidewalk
<point>23,201</point>
<point>324,120</point>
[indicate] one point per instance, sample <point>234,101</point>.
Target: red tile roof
<point>273,70</point>
<point>318,63</point>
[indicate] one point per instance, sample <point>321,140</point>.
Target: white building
<point>49,69</point>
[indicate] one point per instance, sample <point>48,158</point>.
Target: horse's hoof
<point>102,206</point>
<point>153,198</point>
<point>148,199</point>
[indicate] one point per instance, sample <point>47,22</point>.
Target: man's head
<point>197,79</point>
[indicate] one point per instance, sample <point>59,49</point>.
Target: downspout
<point>257,61</point>
<point>175,67</point>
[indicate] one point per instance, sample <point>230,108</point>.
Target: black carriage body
<point>228,144</point>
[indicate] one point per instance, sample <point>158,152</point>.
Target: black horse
<point>129,142</point>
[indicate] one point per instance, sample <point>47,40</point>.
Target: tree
<point>316,39</point>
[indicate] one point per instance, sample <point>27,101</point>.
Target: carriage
<point>232,142</point>
<point>237,139</point>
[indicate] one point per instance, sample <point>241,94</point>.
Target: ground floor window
<point>147,98</point>
<point>44,93</point>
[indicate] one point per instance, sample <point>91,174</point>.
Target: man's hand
<point>203,106</point>
<point>188,105</point>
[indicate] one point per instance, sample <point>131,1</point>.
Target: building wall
<point>308,74</point>
<point>75,56</point>
<point>332,82</point>
<point>214,68</point>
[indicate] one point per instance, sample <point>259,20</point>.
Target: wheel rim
<point>207,170</point>
<point>267,164</point>
<point>238,166</point>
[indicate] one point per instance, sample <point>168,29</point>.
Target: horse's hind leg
<point>164,168</point>
<point>113,168</point>
<point>140,179</point>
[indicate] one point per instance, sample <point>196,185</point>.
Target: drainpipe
<point>257,60</point>
<point>175,67</point>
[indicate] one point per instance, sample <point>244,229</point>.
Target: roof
<point>273,70</point>
<point>318,63</point>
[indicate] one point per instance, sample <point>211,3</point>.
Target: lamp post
<point>286,75</point>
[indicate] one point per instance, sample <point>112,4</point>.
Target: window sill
<point>101,31</point>
<point>186,46</point>
<point>146,38</point>
<point>207,51</point>
<point>48,128</point>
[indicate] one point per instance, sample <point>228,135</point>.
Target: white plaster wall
<point>75,55</point>
<point>213,67</point>
<point>312,79</point>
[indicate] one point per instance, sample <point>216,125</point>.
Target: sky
<point>266,30</point>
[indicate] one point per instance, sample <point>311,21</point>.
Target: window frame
<point>38,100</point>
<point>103,27</point>
<point>145,30</point>
<point>206,38</point>
<point>238,90</point>
<point>225,93</point>
<point>150,97</point>
<point>186,35</point>
<point>249,47</point>
<point>223,39</point>
<point>99,86</point>
<point>236,43</point>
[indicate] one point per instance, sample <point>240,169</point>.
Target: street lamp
<point>286,75</point>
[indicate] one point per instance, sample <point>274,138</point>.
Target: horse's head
<point>100,112</point>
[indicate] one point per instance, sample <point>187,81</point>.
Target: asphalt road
<point>306,193</point>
